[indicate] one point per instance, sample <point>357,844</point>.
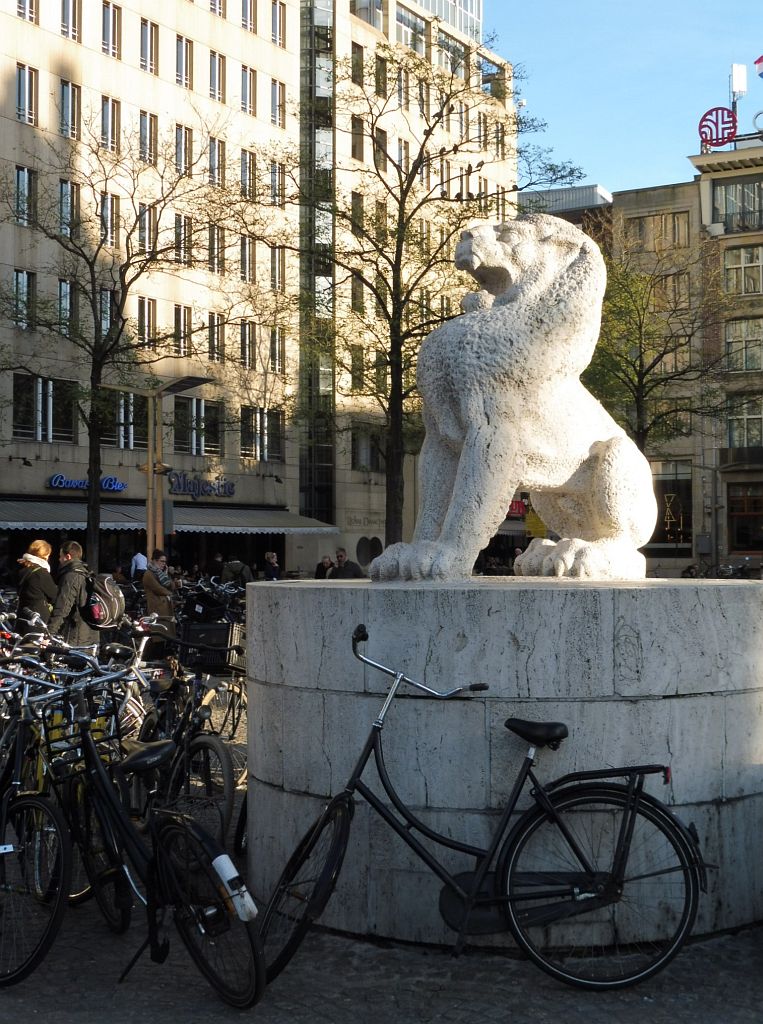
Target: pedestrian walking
<point>158,586</point>
<point>37,590</point>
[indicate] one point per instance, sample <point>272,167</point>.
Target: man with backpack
<point>65,619</point>
<point>236,571</point>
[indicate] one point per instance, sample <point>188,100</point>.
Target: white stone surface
<point>504,410</point>
<point>664,671</point>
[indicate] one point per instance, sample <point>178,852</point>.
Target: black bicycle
<point>598,881</point>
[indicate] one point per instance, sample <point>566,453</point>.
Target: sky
<point>622,84</point>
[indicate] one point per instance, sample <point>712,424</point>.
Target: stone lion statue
<point>504,410</point>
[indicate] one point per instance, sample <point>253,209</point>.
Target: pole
<point>157,464</point>
<point>150,502</point>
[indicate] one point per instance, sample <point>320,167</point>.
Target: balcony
<point>740,458</point>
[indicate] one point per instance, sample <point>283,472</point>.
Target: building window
<point>216,76</point>
<point>110,123</point>
<point>109,219</point>
<point>403,89</point>
<point>149,137</point>
<point>216,162</point>
<point>411,30</point>
<point>356,213</point>
<point>356,294</point>
<point>380,150</point>
<point>500,141</point>
<point>248,90</point>
<point>277,183</point>
<point>183,149</point>
<point>198,426</point>
<point>367,455</point>
<point>745,519</point>
<point>277,350</point>
<point>278,268</point>
<point>27,9</point>
<point>68,307</point>
<point>356,128</point>
<point>658,231</point>
<point>744,341</point>
<point>217,7</point>
<point>70,109</point>
<point>743,270</point>
<point>671,293</point>
<point>216,249</point>
<point>247,258</point>
<point>107,302</point>
<point>126,417</point>
<point>672,489</point>
<point>216,338</point>
<point>248,8</point>
<point>149,46</point>
<point>68,208</point>
<point>26,94</point>
<point>24,293</point>
<point>356,64</point>
<point>146,322</point>
<point>71,18</point>
<point>278,22</point>
<point>745,423</point>
<point>380,77</point>
<point>111,34</point>
<point>738,204</point>
<point>248,174</point>
<point>44,410</point>
<point>184,62</point>
<point>262,434</point>
<point>148,228</point>
<point>248,349</point>
<point>357,368</point>
<point>404,156</point>
<point>183,331</point>
<point>277,103</point>
<point>183,240</point>
<point>25,195</point>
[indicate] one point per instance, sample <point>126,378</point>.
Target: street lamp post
<point>155,468</point>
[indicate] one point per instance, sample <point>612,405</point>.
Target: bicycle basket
<point>61,734</point>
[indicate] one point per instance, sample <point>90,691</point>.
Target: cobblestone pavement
<point>335,980</point>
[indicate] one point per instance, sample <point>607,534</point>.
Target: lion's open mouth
<point>495,280</point>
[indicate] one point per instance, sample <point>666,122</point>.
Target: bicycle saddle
<point>540,734</point>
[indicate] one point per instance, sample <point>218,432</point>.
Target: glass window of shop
<point>745,517</point>
<point>672,489</point>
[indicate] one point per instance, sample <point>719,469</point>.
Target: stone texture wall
<point>663,671</point>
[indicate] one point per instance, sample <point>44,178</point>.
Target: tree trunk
<point>395,452</point>
<point>93,534</point>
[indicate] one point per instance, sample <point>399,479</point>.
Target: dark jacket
<point>65,620</point>
<point>236,571</point>
<point>37,591</point>
<point>347,571</point>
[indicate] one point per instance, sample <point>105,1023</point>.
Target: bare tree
<point>107,210</point>
<point>422,151</point>
<point>658,363</point>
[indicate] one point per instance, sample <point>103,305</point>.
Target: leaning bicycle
<point>598,881</point>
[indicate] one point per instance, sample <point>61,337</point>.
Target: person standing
<point>65,619</point>
<point>272,568</point>
<point>345,568</point>
<point>36,588</point>
<point>158,587</point>
<point>138,566</point>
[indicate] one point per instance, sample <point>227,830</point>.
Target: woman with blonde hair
<point>37,591</point>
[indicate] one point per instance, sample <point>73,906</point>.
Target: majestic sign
<point>717,126</point>
<point>196,487</point>
<point>63,483</point>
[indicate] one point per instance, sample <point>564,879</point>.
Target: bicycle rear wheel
<point>304,888</point>
<point>226,949</point>
<point>228,704</point>
<point>201,785</point>
<point>35,876</point>
<point>581,926</point>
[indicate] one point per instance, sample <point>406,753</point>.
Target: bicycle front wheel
<point>304,888</point>
<point>226,949</point>
<point>201,785</point>
<point>572,916</point>
<point>35,876</point>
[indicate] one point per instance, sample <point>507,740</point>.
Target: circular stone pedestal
<point>664,671</point>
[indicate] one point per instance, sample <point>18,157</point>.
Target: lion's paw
<point>606,559</point>
<point>531,561</point>
<point>386,566</point>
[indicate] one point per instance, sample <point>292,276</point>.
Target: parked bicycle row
<point>115,785</point>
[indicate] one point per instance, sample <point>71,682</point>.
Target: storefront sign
<point>63,483</point>
<point>197,487</point>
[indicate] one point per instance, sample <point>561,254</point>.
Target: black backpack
<point>104,603</point>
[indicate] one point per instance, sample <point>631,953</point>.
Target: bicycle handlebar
<point>360,635</point>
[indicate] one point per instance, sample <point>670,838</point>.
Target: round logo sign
<point>717,126</point>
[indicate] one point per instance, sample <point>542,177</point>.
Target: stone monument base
<point>664,671</point>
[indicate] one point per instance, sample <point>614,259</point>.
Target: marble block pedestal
<point>665,671</point>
